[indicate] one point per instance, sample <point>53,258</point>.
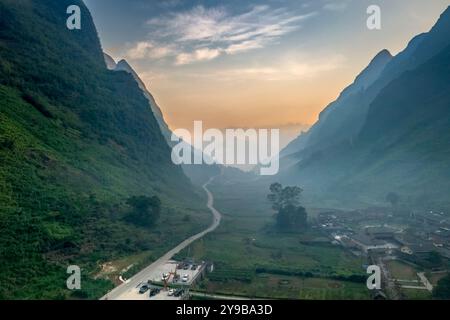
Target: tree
<point>281,197</point>
<point>393,198</point>
<point>292,218</point>
<point>286,201</point>
<point>442,290</point>
<point>145,210</point>
<point>434,258</point>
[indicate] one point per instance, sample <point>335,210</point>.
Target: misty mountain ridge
<point>378,135</point>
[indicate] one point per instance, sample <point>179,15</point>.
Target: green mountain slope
<point>76,140</point>
<point>198,174</point>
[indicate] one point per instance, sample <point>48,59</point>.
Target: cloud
<point>334,6</point>
<point>244,46</point>
<point>196,24</point>
<point>202,34</point>
<point>203,54</point>
<point>147,49</point>
<point>288,68</point>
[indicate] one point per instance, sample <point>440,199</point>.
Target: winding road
<point>142,276</point>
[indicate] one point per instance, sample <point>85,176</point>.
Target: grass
<point>414,294</point>
<point>402,271</point>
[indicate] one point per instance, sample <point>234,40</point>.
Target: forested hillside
<point>76,142</point>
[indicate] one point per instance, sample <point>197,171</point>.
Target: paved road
<point>143,275</point>
<point>425,281</point>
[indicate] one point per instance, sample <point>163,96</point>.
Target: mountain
<point>337,123</point>
<point>123,65</point>
<point>390,134</point>
<point>76,142</point>
<point>110,63</point>
<point>198,174</point>
<point>342,119</point>
<point>407,129</point>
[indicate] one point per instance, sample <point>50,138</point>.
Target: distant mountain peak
<point>124,65</point>
<point>110,63</point>
<point>444,19</point>
<point>371,73</point>
<point>382,55</point>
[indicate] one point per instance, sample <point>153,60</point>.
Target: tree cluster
<point>290,216</point>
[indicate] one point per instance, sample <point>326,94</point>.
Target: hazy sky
<point>236,63</point>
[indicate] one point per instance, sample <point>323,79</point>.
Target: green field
<point>402,271</point>
<point>414,294</point>
<point>289,287</point>
<point>251,258</point>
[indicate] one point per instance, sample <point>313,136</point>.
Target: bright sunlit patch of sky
<point>269,63</point>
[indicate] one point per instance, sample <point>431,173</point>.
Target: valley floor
<point>251,259</point>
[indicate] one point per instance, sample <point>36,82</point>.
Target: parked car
<point>171,292</point>
<point>186,266</point>
<point>185,278</point>
<point>143,289</point>
<point>154,292</point>
<point>194,267</point>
